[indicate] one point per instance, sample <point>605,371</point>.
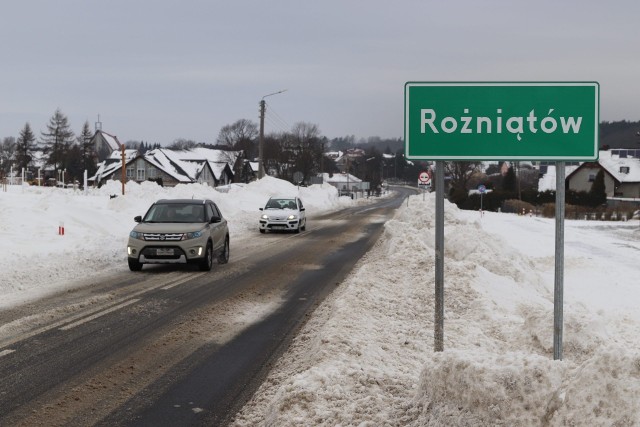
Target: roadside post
<point>558,285</point>
<point>481,189</point>
<point>475,121</point>
<point>424,182</point>
<point>438,336</point>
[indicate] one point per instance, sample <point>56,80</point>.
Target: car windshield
<point>175,212</point>
<point>281,204</point>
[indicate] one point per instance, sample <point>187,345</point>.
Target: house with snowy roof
<point>104,144</point>
<point>344,182</point>
<point>343,158</point>
<point>169,167</point>
<point>547,173</point>
<point>621,174</point>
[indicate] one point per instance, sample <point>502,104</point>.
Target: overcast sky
<point>160,70</point>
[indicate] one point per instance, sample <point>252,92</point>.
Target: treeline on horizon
<point>620,134</point>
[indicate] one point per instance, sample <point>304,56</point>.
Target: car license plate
<point>278,227</point>
<point>164,252</point>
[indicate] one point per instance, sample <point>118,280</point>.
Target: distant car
<point>179,231</point>
<point>283,214</point>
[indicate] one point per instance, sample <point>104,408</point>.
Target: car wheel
<point>207,262</point>
<point>223,258</point>
<point>134,265</point>
<point>304,227</point>
<point>262,230</point>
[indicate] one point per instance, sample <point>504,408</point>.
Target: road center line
<point>154,279</point>
<point>181,281</point>
<point>99,314</point>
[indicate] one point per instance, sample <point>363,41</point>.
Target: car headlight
<point>292,217</point>
<point>192,235</point>
<point>264,216</point>
<point>136,235</point>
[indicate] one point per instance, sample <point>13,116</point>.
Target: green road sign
<point>501,120</point>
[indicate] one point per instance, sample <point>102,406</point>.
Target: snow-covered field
<point>37,260</point>
<point>366,355</point>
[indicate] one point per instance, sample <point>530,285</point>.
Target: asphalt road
<point>172,345</point>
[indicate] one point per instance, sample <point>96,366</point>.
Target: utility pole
<point>261,142</point>
<point>263,107</point>
<point>124,168</point>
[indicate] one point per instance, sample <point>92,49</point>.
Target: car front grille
<point>163,237</point>
<point>154,253</point>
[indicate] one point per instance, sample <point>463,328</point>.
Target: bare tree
<point>460,174</point>
<point>241,136</point>
<point>305,148</point>
<point>277,155</point>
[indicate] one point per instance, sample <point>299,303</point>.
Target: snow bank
<point>366,357</point>
<point>37,260</point>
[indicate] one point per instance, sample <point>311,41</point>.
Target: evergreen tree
<point>25,146</point>
<point>598,193</point>
<point>74,163</point>
<point>7,153</point>
<point>509,180</point>
<point>57,140</point>
<point>88,156</point>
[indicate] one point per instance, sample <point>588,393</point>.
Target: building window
<point>592,177</point>
<point>624,169</point>
<point>130,172</point>
<point>152,173</point>
<point>140,176</point>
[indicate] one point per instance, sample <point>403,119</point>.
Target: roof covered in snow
<point>183,165</point>
<point>113,163</point>
<point>112,140</point>
<point>339,177</point>
<point>624,169</point>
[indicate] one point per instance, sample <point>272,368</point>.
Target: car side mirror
<point>261,208</point>
<point>301,209</point>
<point>215,219</point>
<point>138,219</point>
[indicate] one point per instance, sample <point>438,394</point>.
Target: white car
<point>284,214</point>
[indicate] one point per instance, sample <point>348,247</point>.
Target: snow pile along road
<point>37,260</point>
<point>366,357</point>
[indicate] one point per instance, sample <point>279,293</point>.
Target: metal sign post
<point>449,121</point>
<point>481,189</point>
<point>438,335</point>
<point>558,288</point>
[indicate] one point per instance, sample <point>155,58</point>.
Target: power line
<point>275,124</point>
<point>278,118</point>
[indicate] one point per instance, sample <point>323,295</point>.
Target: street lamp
<point>261,141</point>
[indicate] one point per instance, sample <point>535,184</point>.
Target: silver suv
<point>179,231</point>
